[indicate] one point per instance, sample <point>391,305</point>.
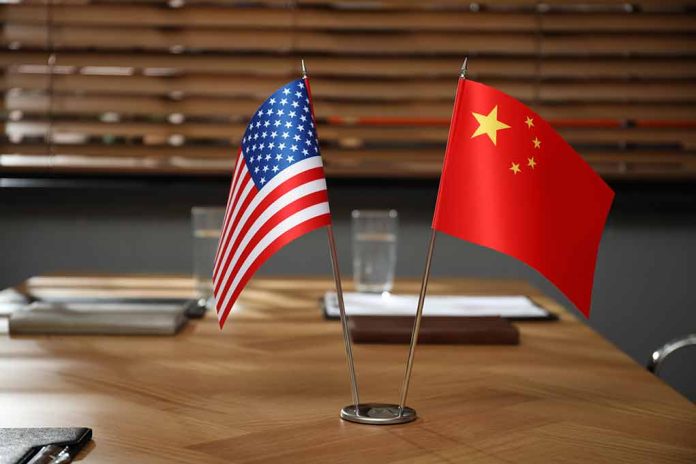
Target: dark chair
<point>662,353</point>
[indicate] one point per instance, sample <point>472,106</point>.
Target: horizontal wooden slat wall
<point>165,87</point>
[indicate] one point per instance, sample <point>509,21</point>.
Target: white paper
<point>369,304</point>
<point>10,301</point>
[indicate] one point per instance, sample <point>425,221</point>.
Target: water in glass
<point>374,249</point>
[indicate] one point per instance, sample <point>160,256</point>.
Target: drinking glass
<point>207,224</point>
<point>374,249</point>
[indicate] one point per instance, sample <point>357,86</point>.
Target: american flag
<point>278,191</point>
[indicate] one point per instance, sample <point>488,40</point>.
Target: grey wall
<point>643,295</point>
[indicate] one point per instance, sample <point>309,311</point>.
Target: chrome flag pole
<point>339,295</point>
<point>417,323</point>
<point>344,319</point>
<point>421,303</point>
<point>361,413</point>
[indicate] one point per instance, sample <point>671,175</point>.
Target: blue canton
<point>280,134</point>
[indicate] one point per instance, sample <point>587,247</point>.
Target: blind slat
<point>419,90</point>
<point>196,17</point>
<point>365,66</point>
<point>241,108</point>
<point>407,43</point>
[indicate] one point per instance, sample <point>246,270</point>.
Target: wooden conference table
<point>269,388</point>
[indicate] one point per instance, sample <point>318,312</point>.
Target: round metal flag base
<point>378,414</point>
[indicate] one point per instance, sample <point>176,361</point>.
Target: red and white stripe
<point>258,222</point>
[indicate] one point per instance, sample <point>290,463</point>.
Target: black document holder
<point>18,446</point>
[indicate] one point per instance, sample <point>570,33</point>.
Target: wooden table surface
<point>269,388</point>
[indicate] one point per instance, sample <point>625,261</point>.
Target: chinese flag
<point>511,183</point>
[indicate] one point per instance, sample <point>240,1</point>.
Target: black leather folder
<point>434,330</point>
<point>21,446</point>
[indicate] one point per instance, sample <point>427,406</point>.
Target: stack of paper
<point>370,304</point>
<point>98,319</point>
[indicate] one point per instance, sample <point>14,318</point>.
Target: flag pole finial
<point>304,69</point>
<point>462,73</point>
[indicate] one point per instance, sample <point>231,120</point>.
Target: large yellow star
<point>489,125</point>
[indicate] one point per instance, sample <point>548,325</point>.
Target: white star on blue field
<point>280,133</point>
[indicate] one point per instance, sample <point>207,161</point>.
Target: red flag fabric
<point>511,183</point>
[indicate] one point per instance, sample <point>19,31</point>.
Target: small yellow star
<point>515,168</point>
<point>529,122</point>
<point>537,143</point>
<point>531,162</point>
<point>489,125</point>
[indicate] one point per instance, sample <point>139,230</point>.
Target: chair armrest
<point>667,349</point>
